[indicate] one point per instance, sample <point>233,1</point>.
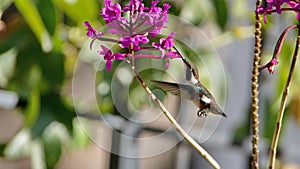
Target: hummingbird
<point>196,92</point>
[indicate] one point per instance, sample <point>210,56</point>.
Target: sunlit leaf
<point>282,69</point>
<point>81,127</point>
<point>7,65</point>
<point>79,10</point>
<point>52,148</point>
<point>33,108</point>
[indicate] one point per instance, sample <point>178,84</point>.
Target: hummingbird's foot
<point>202,113</point>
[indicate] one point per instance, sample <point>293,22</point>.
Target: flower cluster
<point>278,6</point>
<point>274,61</point>
<point>135,24</point>
<point>270,66</point>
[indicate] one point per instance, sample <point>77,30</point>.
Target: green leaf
<point>175,9</point>
<point>52,148</point>
<point>26,74</point>
<point>271,112</point>
<point>33,108</point>
<point>35,22</point>
<point>79,10</point>
<point>221,12</point>
<point>2,148</point>
<point>7,65</point>
<point>52,109</point>
<point>195,12</point>
<point>48,14</point>
<point>81,128</point>
<point>16,39</point>
<point>52,66</point>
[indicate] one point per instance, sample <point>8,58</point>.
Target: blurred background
<point>60,108</point>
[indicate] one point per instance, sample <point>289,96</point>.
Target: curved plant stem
<point>182,132</point>
<point>254,93</point>
<point>282,106</point>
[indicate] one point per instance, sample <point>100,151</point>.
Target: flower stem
<point>181,131</point>
<point>278,125</point>
<point>282,9</point>
<point>254,93</point>
<point>108,40</point>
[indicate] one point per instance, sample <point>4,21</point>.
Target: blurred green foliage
<point>37,61</point>
<point>41,41</point>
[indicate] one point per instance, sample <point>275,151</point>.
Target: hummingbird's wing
<point>181,90</point>
<point>198,94</point>
<point>191,72</point>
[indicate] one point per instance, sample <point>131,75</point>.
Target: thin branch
<point>277,129</point>
<point>182,132</point>
<point>254,93</point>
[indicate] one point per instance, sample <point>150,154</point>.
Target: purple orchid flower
<point>134,32</point>
<point>109,56</point>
